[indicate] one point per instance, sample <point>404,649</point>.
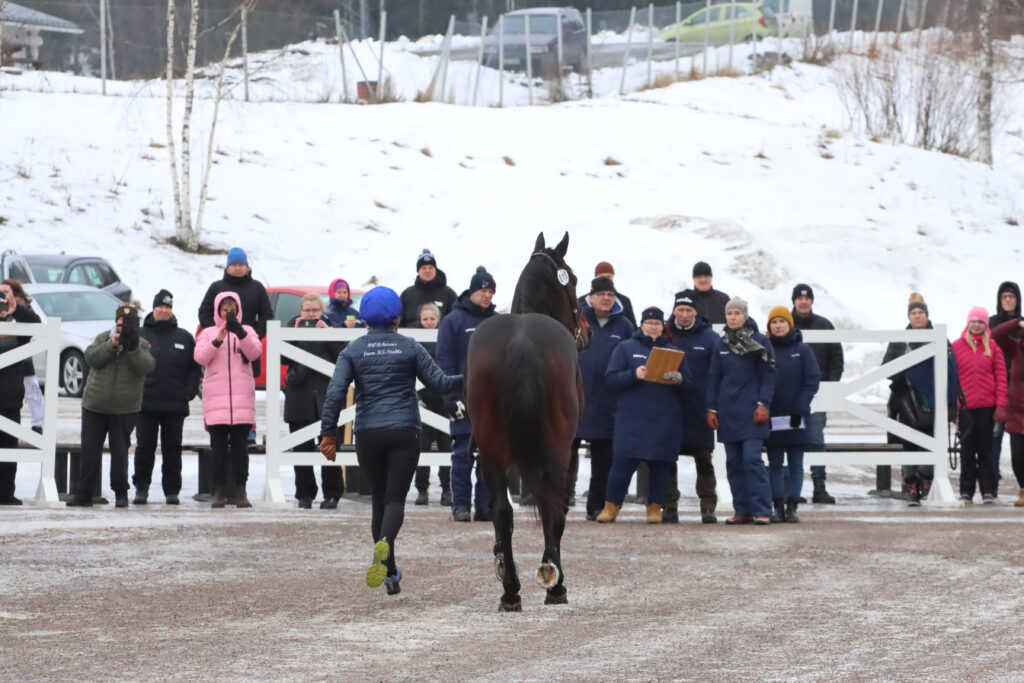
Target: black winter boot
<point>778,514</point>
<point>820,494</point>
<point>791,506</point>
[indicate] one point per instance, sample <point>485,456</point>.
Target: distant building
<point>23,30</point>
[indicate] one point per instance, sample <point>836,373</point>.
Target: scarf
<point>742,343</point>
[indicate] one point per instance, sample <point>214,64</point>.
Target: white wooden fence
<point>40,448</point>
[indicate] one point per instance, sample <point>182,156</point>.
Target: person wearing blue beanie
<point>385,366</point>
<point>237,255</point>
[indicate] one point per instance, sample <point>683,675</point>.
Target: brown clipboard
<point>661,361</point>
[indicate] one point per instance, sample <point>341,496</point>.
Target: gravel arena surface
<point>868,589</point>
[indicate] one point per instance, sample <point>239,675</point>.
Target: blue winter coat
<point>647,424</point>
<point>384,365</point>
<point>698,342</point>
<point>339,311</point>
<point>453,347</point>
<point>796,382</point>
<point>598,417</point>
<point>736,384</point>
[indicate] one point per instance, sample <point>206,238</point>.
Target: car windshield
<point>767,11</point>
<point>76,306</point>
<point>539,23</point>
<point>47,274</point>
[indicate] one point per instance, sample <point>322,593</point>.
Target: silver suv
<point>543,48</point>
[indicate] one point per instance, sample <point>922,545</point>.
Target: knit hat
<point>701,268</point>
<point>917,301</point>
<point>738,304</point>
<point>125,309</point>
<point>802,290</point>
<point>602,284</point>
<point>977,313</point>
<point>237,255</point>
<point>684,298</point>
<point>652,313</point>
<point>380,306</point>
<point>481,280</point>
<point>336,285</point>
<point>781,312</point>
<point>603,268</point>
<point>163,298</point>
<point>425,259</point>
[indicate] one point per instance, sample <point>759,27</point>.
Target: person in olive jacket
<point>12,388</point>
<point>119,361</point>
<point>165,398</point>
<point>796,383</point>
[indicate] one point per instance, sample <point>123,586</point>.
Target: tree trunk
<point>2,3</point>
<point>985,91</point>
<point>110,42</point>
<point>182,220</point>
<point>186,124</point>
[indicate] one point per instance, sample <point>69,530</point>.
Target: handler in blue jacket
<point>741,383</point>
<point>796,383</point>
<point>647,425</point>
<point>608,328</point>
<point>384,365</point>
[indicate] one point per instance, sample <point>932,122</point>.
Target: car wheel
<point>73,372</point>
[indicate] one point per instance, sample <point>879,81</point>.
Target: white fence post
<point>732,28</point>
<point>625,56</point>
<point>650,43</point>
<point>590,79</point>
<point>679,18</point>
<point>529,58</point>
<point>831,19</point>
<point>41,448</point>
<point>103,45</point>
<point>380,60</point>
<point>899,22</point>
<point>479,59</point>
<point>853,23</point>
<point>707,36</point>
<point>341,55</point>
<point>245,50</point>
<point>501,61</point>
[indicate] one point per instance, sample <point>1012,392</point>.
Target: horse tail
<point>541,468</point>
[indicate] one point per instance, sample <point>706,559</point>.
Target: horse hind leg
<point>504,564</point>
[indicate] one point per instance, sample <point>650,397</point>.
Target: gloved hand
<point>761,415</point>
<point>1000,414</point>
<point>129,339</point>
<point>234,326</point>
<point>455,410</point>
<point>794,421</point>
<point>673,377</point>
<point>328,447</point>
<point>712,420</point>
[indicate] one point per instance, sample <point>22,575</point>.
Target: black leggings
<point>1017,457</point>
<point>388,460</point>
<point>230,442</point>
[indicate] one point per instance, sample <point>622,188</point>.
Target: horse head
<point>547,285</point>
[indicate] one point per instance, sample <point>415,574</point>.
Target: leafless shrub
<point>384,94</point>
<point>557,92</point>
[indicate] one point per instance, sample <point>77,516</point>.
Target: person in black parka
<point>431,285</point>
<point>251,293</point>
<point>430,316</point>
<point>1007,308</point>
<point>165,397</point>
<point>12,391</point>
<point>709,301</point>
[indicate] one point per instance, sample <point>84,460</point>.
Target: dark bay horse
<point>524,394</point>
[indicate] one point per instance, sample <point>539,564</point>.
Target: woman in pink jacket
<point>982,374</point>
<point>227,350</point>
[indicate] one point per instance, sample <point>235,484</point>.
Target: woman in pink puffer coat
<point>226,351</point>
<point>982,373</point>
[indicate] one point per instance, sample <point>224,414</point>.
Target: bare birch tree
<point>985,82</point>
<point>186,232</point>
<point>3,6</point>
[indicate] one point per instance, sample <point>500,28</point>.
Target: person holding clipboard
<point>646,373</point>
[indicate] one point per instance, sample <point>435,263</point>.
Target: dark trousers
<point>706,481</point>
<point>97,428</point>
<point>305,480</point>
<point>1017,457</point>
<point>600,466</point>
<point>8,470</point>
<point>464,466</point>
<point>428,437</point>
<point>388,461</point>
<point>169,426</point>
<point>622,472</point>
<point>230,441</point>
<point>976,454</point>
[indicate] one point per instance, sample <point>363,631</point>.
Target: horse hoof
<point>548,575</point>
<point>556,597</point>
<point>516,606</point>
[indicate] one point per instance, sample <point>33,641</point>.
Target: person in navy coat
<point>647,425</point>
<point>741,383</point>
<point>796,383</point>
<point>608,327</point>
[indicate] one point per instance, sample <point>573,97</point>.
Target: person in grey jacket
<point>384,366</point>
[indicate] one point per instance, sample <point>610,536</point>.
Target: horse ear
<point>563,246</point>
<point>539,246</point>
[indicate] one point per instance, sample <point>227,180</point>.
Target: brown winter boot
<point>242,500</point>
<point>219,499</point>
<point>654,513</point>
<point>610,512</point>
<point>1020,501</point>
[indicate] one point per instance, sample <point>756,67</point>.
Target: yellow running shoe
<point>377,572</point>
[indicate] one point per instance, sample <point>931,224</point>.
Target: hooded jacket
<point>982,375</point>
<point>175,381</point>
<point>1002,316</point>
<point>12,385</point>
<point>1010,338</point>
<point>420,292</point>
<point>796,382</point>
<point>453,346</point>
<point>229,389</point>
<point>597,420</point>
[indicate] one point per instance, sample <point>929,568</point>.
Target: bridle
<point>573,304</point>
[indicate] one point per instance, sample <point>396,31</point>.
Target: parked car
<point>14,267</point>
<point>84,312</point>
<point>78,270</point>
<point>543,48</point>
<point>743,20</point>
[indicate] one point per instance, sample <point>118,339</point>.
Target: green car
<point>745,19</point>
